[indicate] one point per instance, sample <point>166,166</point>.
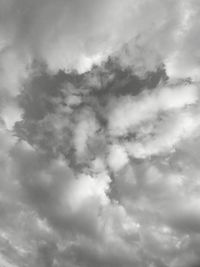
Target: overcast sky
<point>99,133</point>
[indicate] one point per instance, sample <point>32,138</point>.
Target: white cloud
<point>117,157</point>
<point>166,135</point>
<point>87,189</point>
<point>128,112</point>
<point>11,113</point>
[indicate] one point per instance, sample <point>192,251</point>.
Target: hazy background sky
<point>99,133</point>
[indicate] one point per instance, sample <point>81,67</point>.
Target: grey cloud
<point>33,28</point>
<point>102,166</point>
<point>122,205</point>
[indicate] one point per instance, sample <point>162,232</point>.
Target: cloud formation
<point>99,133</point>
<point>74,35</point>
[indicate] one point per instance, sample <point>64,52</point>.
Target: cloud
<point>63,37</point>
<point>99,164</point>
<point>117,157</point>
<point>162,138</point>
<point>69,34</point>
<point>128,112</point>
<point>103,169</point>
<point>86,128</point>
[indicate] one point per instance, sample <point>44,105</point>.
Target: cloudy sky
<point>99,133</point>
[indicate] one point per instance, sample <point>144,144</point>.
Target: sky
<point>99,133</point>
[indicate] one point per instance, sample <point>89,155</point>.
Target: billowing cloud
<point>105,184</point>
<point>99,133</point>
